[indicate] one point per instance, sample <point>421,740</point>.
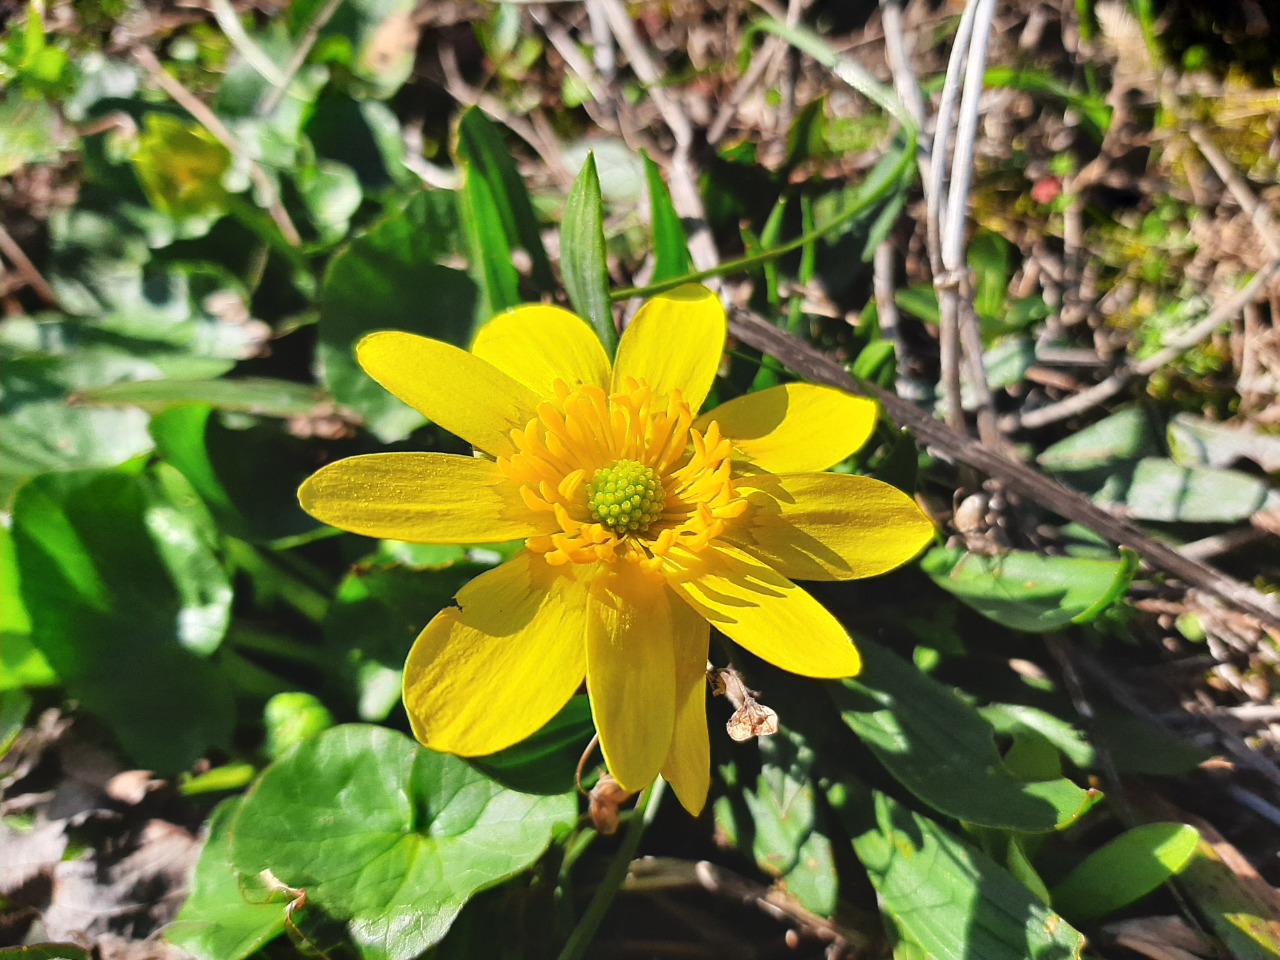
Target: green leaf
<point>247,477</point>
<point>387,279</point>
<point>1124,870</point>
<point>45,951</point>
<point>1125,436</point>
<point>547,761</point>
<point>389,836</point>
<point>582,255</point>
<point>943,751</point>
<point>23,665</point>
<point>126,601</point>
<point>1027,591</point>
<point>226,916</point>
<point>788,834</point>
<point>490,253</point>
<point>921,301</point>
<point>670,244</point>
<point>480,144</point>
<point>41,432</point>
<point>952,902</point>
<point>1194,441</point>
<point>988,257</point>
<point>259,396</point>
<point>181,167</point>
<point>1161,490</point>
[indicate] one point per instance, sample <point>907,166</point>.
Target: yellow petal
<point>795,428</point>
<point>421,498</point>
<point>631,674</point>
<point>826,526</point>
<point>462,393</point>
<point>765,612</point>
<point>537,345</point>
<point>688,764</point>
<point>674,342</point>
<point>485,676</point>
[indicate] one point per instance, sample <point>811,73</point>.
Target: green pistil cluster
<point>626,497</point>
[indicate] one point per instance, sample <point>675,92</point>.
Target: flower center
<point>667,487</point>
<point>626,497</point>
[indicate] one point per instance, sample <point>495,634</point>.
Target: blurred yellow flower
<point>643,523</point>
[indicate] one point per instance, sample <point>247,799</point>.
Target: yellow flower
<point>643,523</point>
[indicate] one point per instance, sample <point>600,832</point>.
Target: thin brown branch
<point>1014,475</point>
<point>22,263</point>
<point>268,104</point>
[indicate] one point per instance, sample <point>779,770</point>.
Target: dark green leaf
<point>670,244</point>
<point>45,951</point>
<point>247,477</point>
<point>387,835</point>
<point>582,255</point>
<point>548,760</point>
<point>387,279</point>
<point>1127,435</point>
<point>226,916</point>
<point>952,902</point>
<point>490,254</point>
<point>480,144</point>
<point>1124,870</point>
<point>1164,491</point>
<point>988,257</point>
<point>126,601</point>
<point>942,750</point>
<point>1027,591</point>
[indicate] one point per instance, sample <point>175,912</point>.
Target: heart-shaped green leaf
<point>388,836</point>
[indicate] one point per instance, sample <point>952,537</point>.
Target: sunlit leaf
<point>951,901</point>
<point>389,836</point>
<point>942,750</point>
<point>1124,870</point>
<point>126,602</point>
<point>1027,591</point>
<point>582,255</point>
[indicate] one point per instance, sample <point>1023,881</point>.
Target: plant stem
<point>603,898</point>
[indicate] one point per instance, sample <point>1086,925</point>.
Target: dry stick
<point>955,299</point>
<point>1114,384</point>
<point>1014,475</point>
<point>904,80</point>
<point>935,189</point>
<point>268,104</point>
<point>682,177</point>
<point>9,247</point>
<point>209,120</point>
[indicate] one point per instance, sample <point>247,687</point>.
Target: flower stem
<point>603,898</point>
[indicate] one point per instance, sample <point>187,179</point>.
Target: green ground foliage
<point>211,204</point>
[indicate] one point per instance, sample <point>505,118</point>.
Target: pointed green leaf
<point>670,244</point>
<point>490,253</point>
<point>583,257</point>
<point>952,902</point>
<point>260,396</point>
<point>1027,591</point>
<point>1125,870</point>
<point>480,144</point>
<point>941,749</point>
